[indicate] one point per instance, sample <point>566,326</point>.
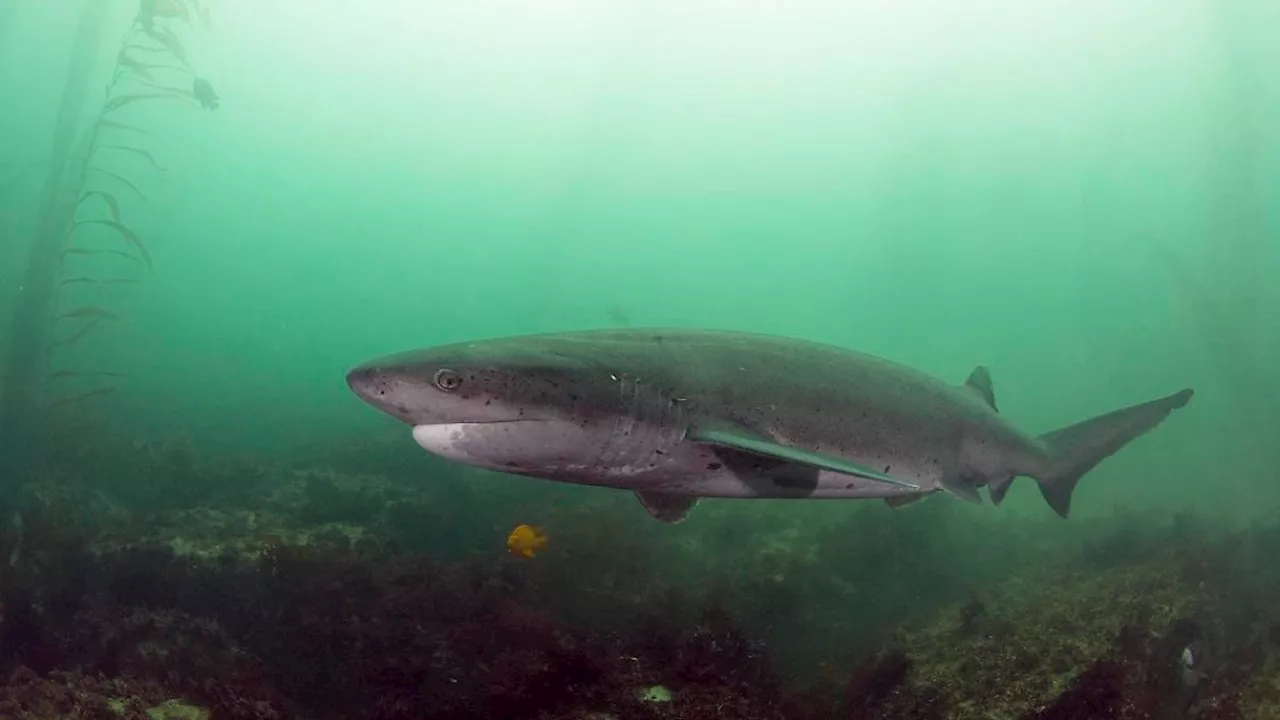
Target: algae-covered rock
<point>1014,649</point>
<point>177,710</point>
<point>654,694</point>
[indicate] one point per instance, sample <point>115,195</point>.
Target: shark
<point>678,414</point>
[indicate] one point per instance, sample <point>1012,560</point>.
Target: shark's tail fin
<point>1075,450</point>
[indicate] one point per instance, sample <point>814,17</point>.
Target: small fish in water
<point>1191,663</point>
<point>203,91</point>
<point>526,541</point>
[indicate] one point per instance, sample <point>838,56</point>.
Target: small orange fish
<point>526,540</point>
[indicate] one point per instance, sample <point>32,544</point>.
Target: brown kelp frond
<point>148,48</point>
<point>203,12</point>
<point>123,181</point>
<point>112,124</point>
<point>107,197</point>
<point>138,69</point>
<point>177,91</point>
<point>81,397</point>
<point>149,10</point>
<point>71,374</point>
<point>84,279</point>
<point>129,235</point>
<point>170,41</point>
<point>88,311</point>
<point>96,251</point>
<point>87,328</point>
<point>148,67</point>
<point>117,103</point>
<point>136,151</point>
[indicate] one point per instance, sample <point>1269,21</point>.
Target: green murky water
<point>1083,196</point>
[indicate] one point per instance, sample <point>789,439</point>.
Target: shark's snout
<point>361,380</point>
<point>380,389</point>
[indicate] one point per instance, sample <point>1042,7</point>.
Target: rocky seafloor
<point>157,585</point>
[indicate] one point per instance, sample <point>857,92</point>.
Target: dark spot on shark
<point>886,468</point>
<point>714,466</point>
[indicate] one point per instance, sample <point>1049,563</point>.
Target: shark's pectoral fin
<point>898,501</point>
<point>749,442</point>
<point>667,508</point>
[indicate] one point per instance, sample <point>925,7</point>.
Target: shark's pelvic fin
<point>667,508</point>
<point>962,489</point>
<point>747,442</point>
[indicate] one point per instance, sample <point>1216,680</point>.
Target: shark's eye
<point>447,380</point>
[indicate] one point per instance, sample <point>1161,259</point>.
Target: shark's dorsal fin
<point>667,508</point>
<point>752,443</point>
<point>979,383</point>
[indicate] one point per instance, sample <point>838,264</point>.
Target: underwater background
<point>212,209</point>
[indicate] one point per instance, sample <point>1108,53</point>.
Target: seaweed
<point>79,397</point>
<point>136,151</point>
<point>272,599</point>
<point>127,234</point>
<point>108,198</point>
<point>88,169</point>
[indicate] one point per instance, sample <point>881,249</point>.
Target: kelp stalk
<point>23,389</point>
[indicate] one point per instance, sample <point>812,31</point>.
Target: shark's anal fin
<point>979,383</point>
<point>667,508</point>
<point>749,442</point>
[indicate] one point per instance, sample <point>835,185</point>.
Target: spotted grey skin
<point>681,413</point>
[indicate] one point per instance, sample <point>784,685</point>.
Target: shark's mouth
<point>542,447</point>
<point>459,441</point>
